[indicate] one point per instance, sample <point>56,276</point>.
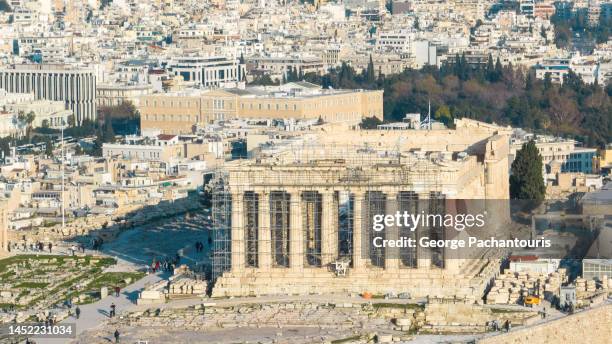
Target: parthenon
<point>285,223</point>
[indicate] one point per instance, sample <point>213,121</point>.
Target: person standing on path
<point>112,310</point>
<point>50,247</point>
<point>77,311</point>
<point>117,291</point>
<point>116,336</point>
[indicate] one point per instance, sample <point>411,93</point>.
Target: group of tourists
<point>165,264</point>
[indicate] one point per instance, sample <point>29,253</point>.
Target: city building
<point>207,70</point>
<point>183,112</point>
<point>277,67</point>
<point>76,87</point>
<point>14,106</point>
<point>603,162</point>
<point>597,269</point>
<point>559,150</point>
<point>117,94</point>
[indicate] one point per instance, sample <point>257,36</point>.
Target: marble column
<point>264,245</point>
<point>423,254</point>
<point>296,231</point>
<point>392,261</point>
<point>237,247</point>
<point>358,202</point>
<point>329,230</point>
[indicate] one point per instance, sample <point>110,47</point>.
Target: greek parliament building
<point>181,112</point>
<point>76,87</point>
<point>300,222</point>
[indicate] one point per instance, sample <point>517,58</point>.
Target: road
<point>93,315</point>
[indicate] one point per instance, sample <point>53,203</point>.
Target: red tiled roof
<point>165,137</point>
<point>523,258</point>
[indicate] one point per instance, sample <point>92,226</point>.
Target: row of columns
<point>329,232</point>
<point>77,90</point>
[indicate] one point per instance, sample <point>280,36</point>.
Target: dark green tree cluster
<point>526,180</point>
<point>370,123</point>
<point>4,6</point>
<point>293,75</point>
<point>103,131</point>
<point>578,22</point>
<point>104,3</point>
<point>48,147</point>
<point>346,77</point>
<point>263,80</point>
<point>489,92</point>
<point>104,134</point>
<point>124,118</point>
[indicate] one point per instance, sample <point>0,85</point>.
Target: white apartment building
<point>588,69</point>
<point>207,71</point>
<point>279,66</point>
<point>397,41</point>
<point>554,149</point>
<point>47,113</point>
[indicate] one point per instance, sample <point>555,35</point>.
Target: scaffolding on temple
<point>303,224</point>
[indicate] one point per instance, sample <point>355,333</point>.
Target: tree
<point>4,6</point>
<point>490,69</point>
<point>105,3</point>
<point>263,80</point>
<point>499,70</point>
<point>97,145</point>
<point>109,134</point>
<point>370,71</point>
<point>526,180</point>
<point>45,123</point>
<point>443,114</point>
<point>528,81</point>
<point>417,25</point>
<point>370,123</point>
<point>547,81</point>
<point>48,147</point>
<point>26,121</point>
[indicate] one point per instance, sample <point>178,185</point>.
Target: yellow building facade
<point>180,113</point>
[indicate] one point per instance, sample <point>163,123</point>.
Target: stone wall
<point>591,326</point>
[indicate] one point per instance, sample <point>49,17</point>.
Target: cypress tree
<point>547,81</point>
<point>370,71</point>
<point>499,71</point>
<point>457,66</point>
<point>109,133</point>
<point>464,73</point>
<point>529,81</point>
<point>490,69</point>
<point>48,147</point>
<point>526,181</point>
